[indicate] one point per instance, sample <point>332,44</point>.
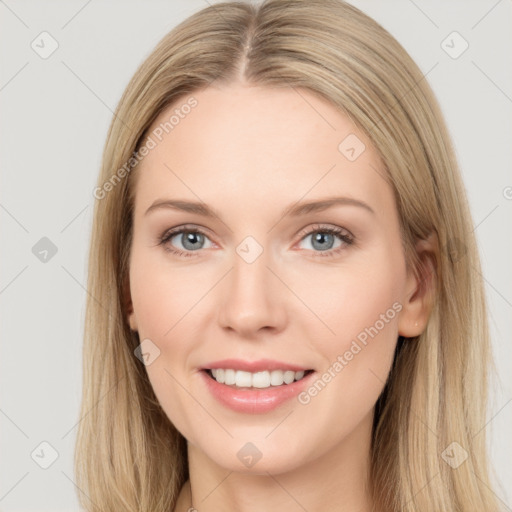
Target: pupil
<point>320,237</point>
<point>191,239</point>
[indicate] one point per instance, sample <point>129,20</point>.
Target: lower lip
<point>254,400</point>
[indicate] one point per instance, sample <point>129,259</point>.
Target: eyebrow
<point>294,210</point>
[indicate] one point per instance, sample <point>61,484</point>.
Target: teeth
<point>229,377</point>
<point>260,380</point>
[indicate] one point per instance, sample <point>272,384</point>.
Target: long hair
<point>128,455</point>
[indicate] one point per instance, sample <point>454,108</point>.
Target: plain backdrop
<point>55,112</point>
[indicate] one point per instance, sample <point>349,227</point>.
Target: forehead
<point>260,145</point>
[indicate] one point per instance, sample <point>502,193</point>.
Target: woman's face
<point>265,284</point>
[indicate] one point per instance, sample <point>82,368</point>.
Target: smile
<point>261,380</point>
<point>255,392</point>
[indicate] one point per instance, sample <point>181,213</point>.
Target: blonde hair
<point>128,454</point>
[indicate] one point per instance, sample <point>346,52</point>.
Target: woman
<point>231,361</point>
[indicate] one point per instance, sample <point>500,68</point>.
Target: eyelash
<point>346,238</point>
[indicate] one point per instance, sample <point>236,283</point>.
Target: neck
<point>335,480</point>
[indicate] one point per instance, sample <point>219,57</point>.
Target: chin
<point>256,457</point>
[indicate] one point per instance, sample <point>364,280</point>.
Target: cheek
<point>160,301</point>
<point>360,304</point>
<point>352,298</point>
<point>169,386</point>
<point>160,295</point>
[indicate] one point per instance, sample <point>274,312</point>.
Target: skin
<point>249,152</point>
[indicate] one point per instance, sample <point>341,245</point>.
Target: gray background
<point>55,116</point>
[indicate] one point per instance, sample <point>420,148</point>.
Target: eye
<point>191,240</point>
<point>324,237</point>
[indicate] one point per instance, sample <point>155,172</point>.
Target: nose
<point>252,298</point>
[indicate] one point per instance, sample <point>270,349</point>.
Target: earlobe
<point>132,319</point>
<point>419,296</point>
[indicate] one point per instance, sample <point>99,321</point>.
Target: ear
<point>128,306</point>
<point>420,289</point>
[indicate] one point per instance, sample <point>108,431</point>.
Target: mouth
<point>267,379</point>
<point>255,387</point>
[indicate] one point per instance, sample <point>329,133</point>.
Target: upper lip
<point>254,366</point>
